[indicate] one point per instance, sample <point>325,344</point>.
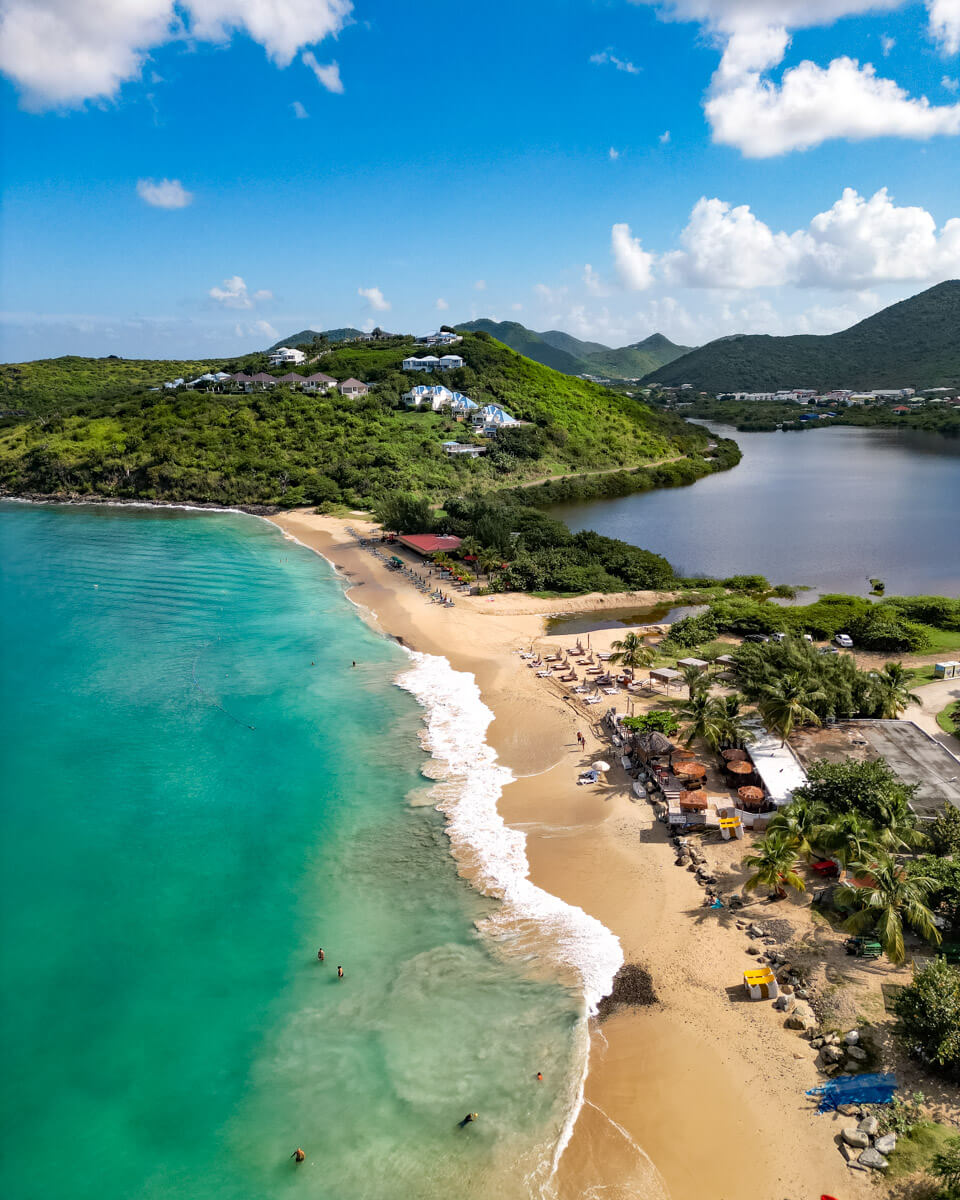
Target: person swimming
<point>339,972</point>
<point>320,955</point>
<point>298,1155</point>
<point>539,1077</point>
<point>467,1120</point>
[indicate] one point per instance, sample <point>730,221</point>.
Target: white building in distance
<point>286,354</point>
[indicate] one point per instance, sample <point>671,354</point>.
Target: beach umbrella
<point>654,744</point>
<point>750,794</point>
<point>740,768</point>
<point>734,755</point>
<point>690,770</point>
<point>601,766</point>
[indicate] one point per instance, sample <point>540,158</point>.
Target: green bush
<point>929,1012</point>
<point>659,719</point>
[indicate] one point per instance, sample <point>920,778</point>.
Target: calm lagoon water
<point>198,791</point>
<point>828,509</point>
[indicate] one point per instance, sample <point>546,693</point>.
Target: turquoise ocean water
<point>198,791</point>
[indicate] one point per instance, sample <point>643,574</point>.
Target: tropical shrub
<point>929,1013</point>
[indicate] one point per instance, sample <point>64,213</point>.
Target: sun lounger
<point>589,777</point>
<point>544,674</point>
<point>610,691</point>
<point>592,700</point>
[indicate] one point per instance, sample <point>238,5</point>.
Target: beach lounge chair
<point>544,674</point>
<point>589,777</point>
<point>592,700</point>
<point>610,691</point>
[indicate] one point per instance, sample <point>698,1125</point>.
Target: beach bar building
<point>777,767</point>
<point>428,544</point>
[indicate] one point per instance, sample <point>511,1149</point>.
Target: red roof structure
<point>429,543</point>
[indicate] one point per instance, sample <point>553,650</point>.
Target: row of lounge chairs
<point>417,580</point>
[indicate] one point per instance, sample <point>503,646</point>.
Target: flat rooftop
<point>913,754</point>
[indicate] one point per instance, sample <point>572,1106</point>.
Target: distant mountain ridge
<point>914,343</point>
<point>569,354</point>
<point>307,335</point>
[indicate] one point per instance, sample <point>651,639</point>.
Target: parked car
<point>778,637</point>
<point>756,637</point>
<point>808,637</point>
<point>844,640</point>
<point>829,650</point>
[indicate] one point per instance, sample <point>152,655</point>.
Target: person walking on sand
<point>320,955</point>
<point>339,972</point>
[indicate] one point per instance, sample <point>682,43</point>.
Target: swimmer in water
<point>320,955</point>
<point>339,972</point>
<point>539,1077</point>
<point>353,664</point>
<point>298,1155</point>
<point>467,1120</point>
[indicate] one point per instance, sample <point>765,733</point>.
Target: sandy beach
<point>701,1094</point>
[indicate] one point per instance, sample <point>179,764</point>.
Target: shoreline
<point>699,1094</point>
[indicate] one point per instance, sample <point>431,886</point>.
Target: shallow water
<point>198,791</point>
<point>829,509</point>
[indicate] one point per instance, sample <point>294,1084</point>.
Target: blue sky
<point>200,179</point>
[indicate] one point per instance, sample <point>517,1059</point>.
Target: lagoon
<point>828,509</point>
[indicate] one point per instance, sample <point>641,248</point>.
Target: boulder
<point>886,1144</point>
<point>831,1054</point>
<point>873,1159</point>
<point>802,1017</point>
<point>869,1126</point>
<point>848,1110</point>
<point>848,1152</point>
<point>852,1037</point>
<point>785,1003</point>
<point>816,1043</point>
<point>856,1138</point>
<point>753,949</point>
<point>857,1053</point>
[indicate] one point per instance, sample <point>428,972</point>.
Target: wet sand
<point>702,1094</point>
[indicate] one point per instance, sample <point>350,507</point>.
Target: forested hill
<point>564,352</point>
<point>283,446</point>
<point>306,337</point>
<point>915,343</point>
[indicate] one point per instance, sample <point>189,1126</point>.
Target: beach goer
<point>468,1119</point>
<point>339,972</point>
<point>298,1155</point>
<point>539,1077</point>
<point>320,955</point>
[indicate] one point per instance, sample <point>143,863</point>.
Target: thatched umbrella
<point>734,755</point>
<point>740,768</point>
<point>690,770</point>
<point>693,800</point>
<point>751,795</point>
<point>654,744</point>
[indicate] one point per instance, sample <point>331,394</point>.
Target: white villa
<point>352,387</point>
<point>318,382</point>
<point>493,417</point>
<point>430,362</point>
<point>437,398</point>
<point>442,338</point>
<point>285,354</point>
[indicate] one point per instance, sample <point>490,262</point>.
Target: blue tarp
<point>855,1089</point>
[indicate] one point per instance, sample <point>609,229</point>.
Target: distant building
<point>352,387</point>
<point>318,382</point>
<point>428,544</point>
<point>292,378</point>
<point>429,362</point>
<point>263,380</point>
<point>422,396</point>
<point>451,362</point>
<point>465,448</point>
<point>442,338</point>
<point>492,418</point>
<point>286,354</point>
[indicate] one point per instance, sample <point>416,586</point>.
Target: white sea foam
<point>529,922</point>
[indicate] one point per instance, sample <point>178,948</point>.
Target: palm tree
<point>487,561</point>
<point>733,731</point>
<point>774,866</point>
<point>786,702</point>
<point>631,651</point>
<point>470,546</point>
<point>889,898</point>
<point>891,687</point>
<point>801,823</point>
<point>700,717</point>
<point>846,838</point>
<point>695,679</point>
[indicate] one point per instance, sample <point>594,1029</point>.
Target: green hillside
<point>564,352</point>
<point>530,344</point>
<point>38,387</point>
<point>285,447</point>
<point>633,362</point>
<point>306,336</point>
<point>915,343</point>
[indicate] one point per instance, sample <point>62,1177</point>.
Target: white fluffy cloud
<point>613,153</point>
<point>375,298</point>
<point>855,243</point>
<point>164,193</point>
<point>328,75</point>
<point>63,52</point>
<point>299,111</point>
<point>634,265</point>
<point>621,64</point>
<point>810,103</point>
<point>235,294</point>
<point>441,305</point>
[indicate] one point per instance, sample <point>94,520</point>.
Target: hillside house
<point>318,382</point>
<point>292,378</point>
<point>174,383</point>
<point>352,387</point>
<point>286,354</point>
<point>461,404</point>
<point>263,380</point>
<point>441,338</point>
<point>451,362</point>
<point>492,418</point>
<point>464,448</point>
<point>422,396</point>
<point>428,363</point>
